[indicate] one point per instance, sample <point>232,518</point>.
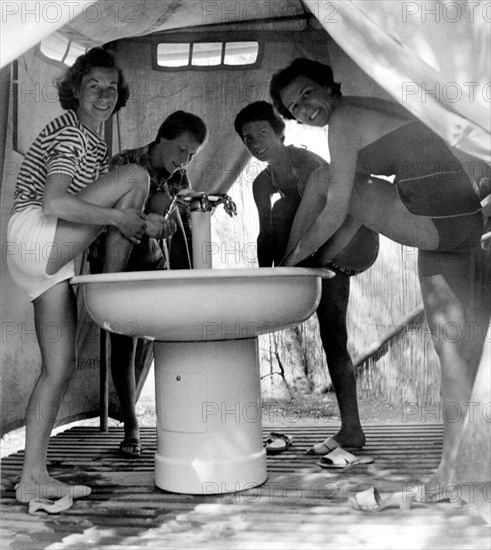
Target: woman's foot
<point>353,441</point>
<point>130,447</point>
<point>48,488</point>
<point>439,488</point>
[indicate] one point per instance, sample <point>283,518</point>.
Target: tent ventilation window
<point>200,55</point>
<point>59,48</point>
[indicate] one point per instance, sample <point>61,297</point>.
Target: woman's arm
<point>325,201</point>
<point>159,227</point>
<point>262,198</point>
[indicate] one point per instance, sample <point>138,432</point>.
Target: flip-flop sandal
<point>277,443</point>
<point>130,442</point>
<point>340,459</point>
<point>38,505</point>
<point>371,501</point>
<point>328,446</point>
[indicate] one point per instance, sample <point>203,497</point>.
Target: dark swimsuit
<point>430,181</point>
<point>358,255</point>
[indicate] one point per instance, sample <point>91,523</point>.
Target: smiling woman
<point>63,195</point>
<point>311,96</point>
<point>97,96</point>
<point>430,206</point>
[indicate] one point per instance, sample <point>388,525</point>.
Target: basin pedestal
<point>209,429</point>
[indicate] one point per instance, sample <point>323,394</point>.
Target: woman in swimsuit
<point>430,205</point>
<point>289,168</point>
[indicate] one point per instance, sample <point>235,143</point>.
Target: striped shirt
<point>65,146</point>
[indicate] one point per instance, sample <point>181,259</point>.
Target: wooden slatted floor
<point>300,506</point>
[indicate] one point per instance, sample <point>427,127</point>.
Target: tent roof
<point>96,22</point>
<point>149,17</point>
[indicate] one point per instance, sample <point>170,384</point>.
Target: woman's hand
<point>296,255</point>
<point>158,227</point>
<point>132,224</point>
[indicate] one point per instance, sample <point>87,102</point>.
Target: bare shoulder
<point>366,117</point>
<point>304,157</point>
<point>349,114</point>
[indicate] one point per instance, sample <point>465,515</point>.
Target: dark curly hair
<point>316,71</point>
<point>259,111</point>
<point>181,121</point>
<point>70,82</point>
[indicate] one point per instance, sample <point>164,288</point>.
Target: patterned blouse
<point>65,146</point>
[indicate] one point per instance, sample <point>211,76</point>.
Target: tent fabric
<point>434,57</point>
<point>110,20</point>
<point>25,23</point>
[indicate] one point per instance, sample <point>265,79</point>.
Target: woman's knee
<point>134,178</point>
<point>59,375</point>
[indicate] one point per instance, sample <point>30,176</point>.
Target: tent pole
<point>104,383</point>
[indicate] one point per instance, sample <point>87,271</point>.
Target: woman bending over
<point>431,206</point>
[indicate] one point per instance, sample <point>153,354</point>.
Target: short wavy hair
<point>316,71</point>
<point>256,112</point>
<point>70,82</point>
<point>181,121</point>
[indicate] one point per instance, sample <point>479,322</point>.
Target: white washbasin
<point>202,305</point>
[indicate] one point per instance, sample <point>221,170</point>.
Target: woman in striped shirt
<point>63,198</point>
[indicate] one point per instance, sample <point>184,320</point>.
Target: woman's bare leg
<point>455,324</point>
<point>55,316</point>
<point>123,188</point>
<point>331,313</point>
<point>123,349</point>
<point>374,203</point>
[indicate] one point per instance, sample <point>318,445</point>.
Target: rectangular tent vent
<point>202,55</point>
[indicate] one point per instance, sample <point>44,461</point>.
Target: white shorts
<point>30,237</point>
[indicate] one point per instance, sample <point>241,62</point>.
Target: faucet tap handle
<point>230,206</point>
